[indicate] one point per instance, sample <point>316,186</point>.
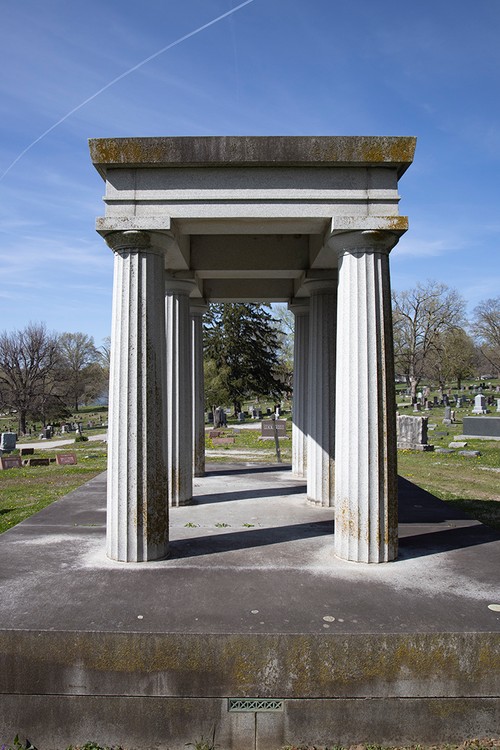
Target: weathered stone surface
<point>252,150</point>
<point>365,461</point>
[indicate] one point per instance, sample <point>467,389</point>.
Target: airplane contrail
<point>121,76</point>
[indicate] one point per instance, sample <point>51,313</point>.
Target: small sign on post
<point>276,439</point>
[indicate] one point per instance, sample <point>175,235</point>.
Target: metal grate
<point>254,704</point>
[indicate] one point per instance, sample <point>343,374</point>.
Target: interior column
<point>366,477</point>
<point>321,389</point>
<point>179,391</point>
<point>300,367</point>
<point>137,523</point>
<point>198,307</point>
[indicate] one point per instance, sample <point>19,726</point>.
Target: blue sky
<point>274,67</point>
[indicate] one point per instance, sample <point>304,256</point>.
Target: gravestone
<point>267,429</point>
<point>36,462</point>
<point>447,419</point>
<point>8,441</point>
<point>412,433</point>
<point>26,451</point>
<point>10,462</point>
<point>498,404</point>
<point>66,459</point>
<point>482,427</point>
<point>479,404</point>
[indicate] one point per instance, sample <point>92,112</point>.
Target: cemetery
<point>324,600</point>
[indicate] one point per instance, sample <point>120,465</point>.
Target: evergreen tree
<point>242,348</point>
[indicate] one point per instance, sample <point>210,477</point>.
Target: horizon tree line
<point>249,354</point>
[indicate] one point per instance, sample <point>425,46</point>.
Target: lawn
<point>27,490</point>
<point>471,483</point>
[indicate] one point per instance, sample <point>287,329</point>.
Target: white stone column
<point>137,521</point>
<point>366,475</point>
<point>198,307</point>
<point>179,391</point>
<point>321,390</point>
<point>300,310</point>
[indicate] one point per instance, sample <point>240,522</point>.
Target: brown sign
<point>268,427</point>
<point>66,459</point>
<point>11,462</point>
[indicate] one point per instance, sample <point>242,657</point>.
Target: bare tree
<point>454,358</point>
<point>29,371</point>
<point>421,316</point>
<point>79,357</point>
<point>486,328</point>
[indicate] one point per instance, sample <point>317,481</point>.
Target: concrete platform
<point>251,604</point>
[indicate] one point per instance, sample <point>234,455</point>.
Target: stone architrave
<point>366,478</point>
<point>300,368</point>
<point>321,389</point>
<point>179,391</point>
<point>198,307</point>
<point>137,522</point>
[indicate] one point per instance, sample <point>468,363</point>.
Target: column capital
<point>299,306</point>
<point>198,306</point>
<point>324,284</point>
<point>362,242</point>
<point>131,241</point>
<point>174,285</point>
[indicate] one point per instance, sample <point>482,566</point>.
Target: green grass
<point>25,491</point>
<point>472,484</point>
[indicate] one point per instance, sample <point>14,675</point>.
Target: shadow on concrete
<point>223,497</point>
<point>445,540</point>
<point>248,539</point>
<point>247,470</point>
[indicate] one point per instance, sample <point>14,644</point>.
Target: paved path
<point>44,444</point>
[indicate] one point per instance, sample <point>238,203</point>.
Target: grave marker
<point>66,459</point>
<point>10,462</point>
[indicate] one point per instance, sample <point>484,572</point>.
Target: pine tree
<point>242,346</point>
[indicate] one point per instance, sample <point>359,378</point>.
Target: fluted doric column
<point>137,523</point>
<point>198,307</point>
<point>366,476</point>
<point>321,390</point>
<point>300,367</point>
<point>179,391</point>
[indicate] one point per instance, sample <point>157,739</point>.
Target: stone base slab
<point>170,723</point>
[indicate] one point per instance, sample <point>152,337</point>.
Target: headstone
<point>469,454</point>
<point>447,415</point>
<point>459,402</point>
<point>10,462</point>
<point>66,459</point>
<point>36,462</point>
<point>485,427</point>
<point>479,404</point>
<point>8,441</point>
<point>412,433</point>
<point>267,428</point>
<point>214,433</point>
<point>269,411</point>
<point>416,406</point>
<point>498,404</point>
<point>223,440</point>
<point>457,444</point>
<point>436,401</point>
<point>26,451</point>
<point>241,417</point>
